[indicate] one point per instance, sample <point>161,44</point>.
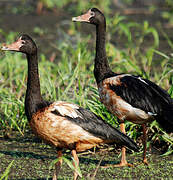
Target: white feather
<point>142,80</point>
<point>65,111</point>
<point>73,106</point>
<point>152,114</point>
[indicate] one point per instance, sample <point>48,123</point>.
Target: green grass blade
<point>5,174</point>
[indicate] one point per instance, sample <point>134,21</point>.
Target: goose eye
<point>92,14</point>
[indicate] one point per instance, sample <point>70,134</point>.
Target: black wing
<point>99,128</point>
<point>142,93</point>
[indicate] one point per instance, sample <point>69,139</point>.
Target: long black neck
<point>101,68</point>
<point>33,98</point>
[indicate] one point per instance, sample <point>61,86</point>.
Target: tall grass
<point>71,78</point>
<point>76,4</point>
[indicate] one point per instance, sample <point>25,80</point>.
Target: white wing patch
<point>152,114</point>
<point>142,80</point>
<point>66,109</point>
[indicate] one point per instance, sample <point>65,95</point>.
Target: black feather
<point>99,128</point>
<point>147,96</point>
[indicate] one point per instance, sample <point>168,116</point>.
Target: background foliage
<point>133,46</point>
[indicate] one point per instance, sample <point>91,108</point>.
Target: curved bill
<point>83,18</point>
<point>13,46</point>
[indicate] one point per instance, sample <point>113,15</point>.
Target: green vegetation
<point>70,76</point>
<point>6,172</point>
<point>76,4</point>
<point>169,13</point>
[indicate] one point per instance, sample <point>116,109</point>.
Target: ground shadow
<point>83,160</point>
<point>19,154</point>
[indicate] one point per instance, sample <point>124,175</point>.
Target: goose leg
<point>144,144</point>
<point>75,157</point>
<point>123,152</point>
<point>57,165</point>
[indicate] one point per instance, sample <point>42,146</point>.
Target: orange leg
<point>144,144</point>
<point>75,163</point>
<point>57,166</point>
<point>123,152</point>
<point>39,7</point>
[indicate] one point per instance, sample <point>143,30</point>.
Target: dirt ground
<point>34,160</point>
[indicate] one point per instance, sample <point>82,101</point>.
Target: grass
<point>6,172</point>
<point>70,78</point>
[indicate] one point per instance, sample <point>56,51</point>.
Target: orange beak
<point>83,18</point>
<point>12,47</point>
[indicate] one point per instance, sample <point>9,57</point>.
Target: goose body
<point>137,100</point>
<point>61,124</point>
<point>66,125</point>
